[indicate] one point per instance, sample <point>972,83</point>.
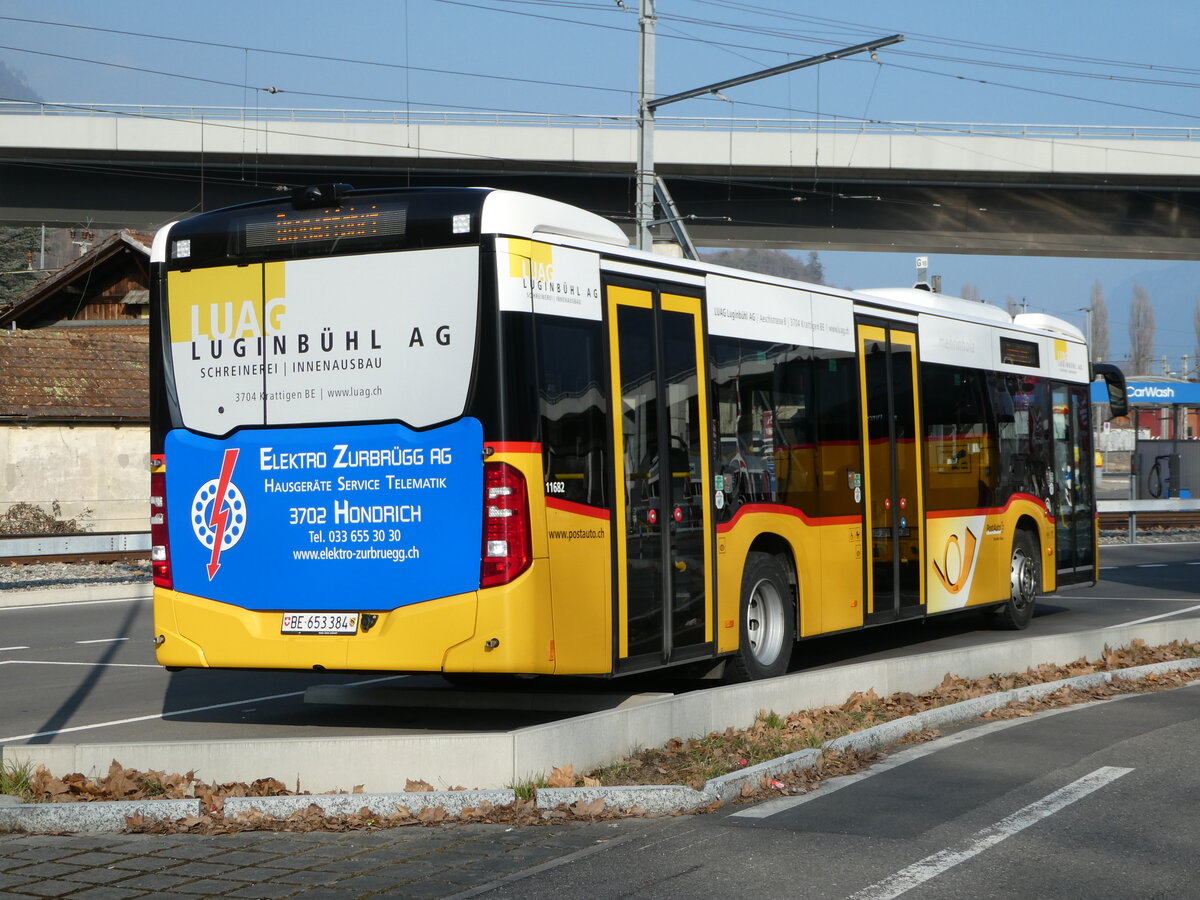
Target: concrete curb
<point>651,798</point>
<point>728,787</point>
<point>890,733</point>
<point>106,816</point>
<point>11,598</point>
<point>103,815</point>
<point>453,802</point>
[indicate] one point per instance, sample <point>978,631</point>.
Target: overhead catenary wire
<point>628,92</point>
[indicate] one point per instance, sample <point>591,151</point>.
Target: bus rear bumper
<point>194,632</point>
<point>501,629</point>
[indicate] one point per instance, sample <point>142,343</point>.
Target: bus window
<point>763,405</point>
<point>1022,409</point>
<point>572,405</point>
<point>959,459</point>
<point>838,462</point>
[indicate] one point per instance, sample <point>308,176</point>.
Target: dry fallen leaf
<point>587,810</point>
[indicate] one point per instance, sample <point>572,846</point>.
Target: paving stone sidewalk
<point>411,862</point>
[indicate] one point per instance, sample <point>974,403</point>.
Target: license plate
<point>319,623</point>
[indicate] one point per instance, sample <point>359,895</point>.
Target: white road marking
<point>2,649</point>
<point>174,712</point>
<point>1125,597</point>
<point>4,609</point>
<point>1178,612</point>
<point>1142,544</point>
<point>932,866</point>
<point>891,761</point>
<point>1151,566</point>
<point>104,641</point>
<point>58,662</point>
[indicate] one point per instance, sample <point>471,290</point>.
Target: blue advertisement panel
<point>347,518</point>
<point>1144,393</point>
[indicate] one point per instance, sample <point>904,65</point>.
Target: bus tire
<point>768,621</point>
<point>1025,577</point>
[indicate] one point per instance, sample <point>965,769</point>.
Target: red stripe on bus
<point>578,509</point>
<point>987,510</point>
<point>777,510</point>
<point>514,446</point>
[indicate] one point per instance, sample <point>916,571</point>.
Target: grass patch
<point>527,790</point>
<point>152,787</point>
<point>17,780</point>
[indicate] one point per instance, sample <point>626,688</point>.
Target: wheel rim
<point>764,622</point>
<point>1022,578</point>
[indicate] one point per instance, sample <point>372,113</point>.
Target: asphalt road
<point>1083,802</point>
<point>1093,801</point>
<point>86,672</point>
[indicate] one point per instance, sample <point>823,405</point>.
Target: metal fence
<point>74,544</point>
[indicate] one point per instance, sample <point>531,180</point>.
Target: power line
<point>275,90</point>
<point>297,55</point>
<point>774,31</point>
<point>953,42</point>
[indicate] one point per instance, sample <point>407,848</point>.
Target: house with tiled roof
<point>74,389</point>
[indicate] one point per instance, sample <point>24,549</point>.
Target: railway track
<point>86,547</point>
<point>1120,521</point>
<point>111,556</point>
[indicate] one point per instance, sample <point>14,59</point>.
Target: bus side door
<point>1072,497</point>
<point>663,526</point>
<point>893,505</point>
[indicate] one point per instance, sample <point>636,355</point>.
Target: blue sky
<point>1060,62</point>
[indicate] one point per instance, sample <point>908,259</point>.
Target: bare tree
<point>1141,332</point>
<point>1099,335</point>
<point>1012,305</point>
<point>18,249</point>
<point>779,263</point>
<point>969,292</point>
<point>1196,323</point>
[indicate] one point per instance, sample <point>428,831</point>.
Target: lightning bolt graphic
<point>219,518</point>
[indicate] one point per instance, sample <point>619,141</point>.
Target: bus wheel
<point>1024,577</point>
<point>768,621</point>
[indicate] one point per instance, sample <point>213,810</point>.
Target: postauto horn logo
<point>219,513</point>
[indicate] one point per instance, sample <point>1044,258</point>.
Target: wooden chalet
<point>74,388</point>
<point>109,285</point>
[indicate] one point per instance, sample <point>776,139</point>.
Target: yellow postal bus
<point>471,431</point>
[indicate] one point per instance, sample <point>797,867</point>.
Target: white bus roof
<point>510,212</point>
<point>958,307</point>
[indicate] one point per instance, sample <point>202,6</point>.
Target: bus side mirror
<point>1114,380</point>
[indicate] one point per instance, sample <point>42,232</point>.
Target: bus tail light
<point>507,550</point>
<point>160,550</point>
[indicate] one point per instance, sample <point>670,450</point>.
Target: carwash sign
<point>1148,393</point>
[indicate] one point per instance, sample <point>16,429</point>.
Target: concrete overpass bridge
<point>796,184</point>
